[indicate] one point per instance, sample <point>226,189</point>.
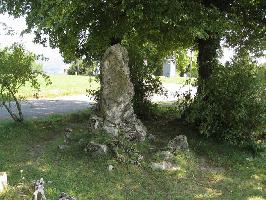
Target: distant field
<point>64,85</point>
<point>176,80</point>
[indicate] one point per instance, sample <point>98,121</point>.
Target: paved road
<point>45,107</point>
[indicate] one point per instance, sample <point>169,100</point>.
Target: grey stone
<point>95,123</point>
<point>151,137</point>
<point>64,196</point>
<point>115,109</point>
<point>63,147</point>
<point>96,149</point>
<point>164,165</point>
<point>178,143</point>
<point>167,155</point>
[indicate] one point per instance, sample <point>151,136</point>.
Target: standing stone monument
<point>115,109</point>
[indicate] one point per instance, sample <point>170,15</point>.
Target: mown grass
<point>177,80</point>
<point>208,171</point>
<point>64,85</point>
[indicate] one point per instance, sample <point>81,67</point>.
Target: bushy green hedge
<point>232,105</point>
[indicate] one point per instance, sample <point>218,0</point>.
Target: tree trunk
<point>207,58</point>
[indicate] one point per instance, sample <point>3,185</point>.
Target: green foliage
<point>232,106</point>
<point>80,67</point>
<point>37,67</point>
<point>183,62</point>
<point>262,73</point>
<point>17,69</point>
<point>142,76</point>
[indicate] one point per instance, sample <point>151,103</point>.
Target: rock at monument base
<point>178,143</point>
<point>115,109</point>
<point>167,155</point>
<point>3,181</point>
<point>165,165</point>
<point>96,149</point>
<point>64,196</point>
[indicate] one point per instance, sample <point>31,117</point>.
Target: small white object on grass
<point>3,181</point>
<point>39,188</point>
<point>110,168</point>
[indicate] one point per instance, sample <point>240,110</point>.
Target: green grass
<point>176,80</point>
<point>62,85</point>
<point>208,171</point>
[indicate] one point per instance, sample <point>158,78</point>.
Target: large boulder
<point>115,109</point>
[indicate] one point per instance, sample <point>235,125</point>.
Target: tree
<point>81,67</point>
<point>242,26</point>
<point>17,69</point>
<point>84,29</point>
<point>183,62</point>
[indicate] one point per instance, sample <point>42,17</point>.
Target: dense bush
<point>143,77</point>
<point>232,106</point>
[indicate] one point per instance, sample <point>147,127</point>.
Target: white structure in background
<point>169,67</point>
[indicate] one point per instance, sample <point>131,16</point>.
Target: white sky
<point>55,63</point>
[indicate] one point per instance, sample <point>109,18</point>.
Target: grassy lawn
<point>63,85</point>
<point>177,80</point>
<point>208,171</point>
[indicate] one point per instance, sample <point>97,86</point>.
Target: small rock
<point>151,137</point>
<point>63,147</point>
<point>165,165</point>
<point>96,149</point>
<point>178,143</point>
<point>64,196</point>
<point>67,135</point>
<point>110,168</point>
<point>167,155</point>
<point>68,130</point>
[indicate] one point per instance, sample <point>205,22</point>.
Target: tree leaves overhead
<point>83,29</point>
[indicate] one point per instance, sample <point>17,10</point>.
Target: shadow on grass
<point>208,171</point>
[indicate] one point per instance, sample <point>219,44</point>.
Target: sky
<point>55,64</point>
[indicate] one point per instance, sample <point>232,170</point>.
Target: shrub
<point>17,69</point>
<point>232,105</point>
<point>142,76</point>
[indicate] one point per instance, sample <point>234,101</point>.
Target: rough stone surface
<point>64,196</point>
<point>115,103</point>
<point>164,165</point>
<point>151,137</point>
<point>3,181</point>
<point>63,147</point>
<point>167,155</point>
<point>178,143</point>
<point>67,135</point>
<point>96,149</point>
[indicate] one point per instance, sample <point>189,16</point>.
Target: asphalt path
<point>67,104</point>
